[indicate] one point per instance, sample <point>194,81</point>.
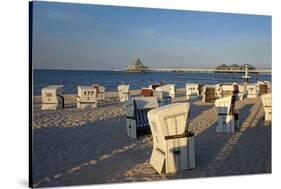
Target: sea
<point>70,79</point>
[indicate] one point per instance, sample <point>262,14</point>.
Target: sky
<point>95,37</point>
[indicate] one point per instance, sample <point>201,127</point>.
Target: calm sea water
<point>111,79</point>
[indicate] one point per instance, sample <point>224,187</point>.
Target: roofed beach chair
<point>137,121</point>
<point>100,91</point>
<point>209,94</point>
<point>242,92</point>
<point>264,87</point>
<point>165,94</point>
<point>52,97</point>
<point>267,106</point>
<point>86,97</point>
<point>253,91</point>
<point>228,89</point>
<point>147,92</point>
<point>173,146</point>
<point>123,91</point>
<point>192,91</point>
<point>228,120</point>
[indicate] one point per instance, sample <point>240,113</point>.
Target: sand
<point>74,147</point>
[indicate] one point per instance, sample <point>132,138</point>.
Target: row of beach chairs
<point>153,111</point>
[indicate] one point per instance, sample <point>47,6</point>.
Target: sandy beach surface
<point>75,147</point>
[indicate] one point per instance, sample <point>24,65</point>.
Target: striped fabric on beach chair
<point>52,97</point>
<point>267,106</point>
<point>123,91</point>
<point>87,97</point>
<point>137,109</point>
<point>173,146</point>
<point>228,120</point>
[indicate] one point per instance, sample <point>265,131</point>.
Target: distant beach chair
<point>123,91</point>
<point>165,94</point>
<point>242,92</point>
<point>137,121</point>
<point>52,97</point>
<point>192,91</point>
<point>268,83</point>
<point>228,89</point>
<point>264,87</point>
<point>253,91</point>
<point>100,92</point>
<point>87,97</point>
<point>173,146</point>
<point>209,94</point>
<point>146,92</point>
<point>228,120</point>
<point>267,106</point>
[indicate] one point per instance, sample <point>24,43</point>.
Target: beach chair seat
<point>173,146</point>
<point>147,92</point>
<point>252,91</point>
<point>86,97</point>
<point>52,97</point>
<point>123,91</point>
<point>192,91</point>
<point>209,94</point>
<point>137,109</point>
<point>267,106</point>
<point>228,120</point>
<point>100,92</point>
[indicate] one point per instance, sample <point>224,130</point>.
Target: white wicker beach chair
<point>87,97</point>
<point>137,121</point>
<point>228,120</point>
<point>52,97</point>
<point>209,94</point>
<point>123,91</point>
<point>146,92</point>
<point>242,92</point>
<point>100,92</point>
<point>165,94</point>
<point>173,146</point>
<point>228,89</point>
<point>253,91</point>
<point>192,91</point>
<point>267,106</point>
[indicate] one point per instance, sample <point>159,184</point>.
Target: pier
<point>213,70</point>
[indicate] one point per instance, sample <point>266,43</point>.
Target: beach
<point>76,147</point>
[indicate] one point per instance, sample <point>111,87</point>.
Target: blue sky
<point>83,36</point>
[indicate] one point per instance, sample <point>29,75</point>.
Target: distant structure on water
<point>137,67</point>
<point>235,67</point>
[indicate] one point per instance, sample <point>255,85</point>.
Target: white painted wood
<point>52,97</point>
<point>167,121</point>
<point>168,90</point>
<point>267,106</point>
<point>123,91</point>
<point>192,91</point>
<point>253,91</point>
<point>86,97</point>
<point>226,118</point>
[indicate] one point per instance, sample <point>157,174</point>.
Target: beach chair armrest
<point>186,134</point>
<point>131,117</point>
